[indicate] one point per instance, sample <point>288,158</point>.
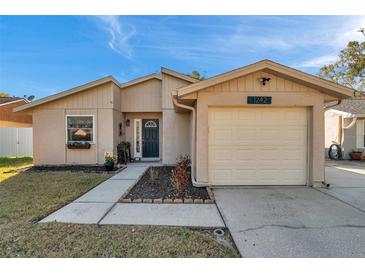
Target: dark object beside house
<point>72,168</point>
<point>109,166</point>
<point>78,145</point>
<point>124,153</point>
<point>334,152</point>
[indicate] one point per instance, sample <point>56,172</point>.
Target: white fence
<point>16,142</point>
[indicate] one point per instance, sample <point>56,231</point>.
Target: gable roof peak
<point>274,68</point>
<point>179,75</point>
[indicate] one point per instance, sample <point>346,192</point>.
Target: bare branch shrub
<point>180,175</point>
<point>153,175</point>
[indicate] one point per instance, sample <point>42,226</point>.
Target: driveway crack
<point>299,227</point>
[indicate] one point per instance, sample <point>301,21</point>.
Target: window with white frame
<point>80,128</point>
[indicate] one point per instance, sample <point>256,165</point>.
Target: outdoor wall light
<point>127,123</point>
<point>263,80</point>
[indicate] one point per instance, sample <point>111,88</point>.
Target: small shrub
<point>153,175</point>
<point>180,175</point>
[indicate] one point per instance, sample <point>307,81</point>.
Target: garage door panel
<point>245,135</point>
<point>258,146</point>
<point>244,154</point>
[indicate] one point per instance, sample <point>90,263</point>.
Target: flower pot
<point>356,156</point>
<point>109,166</point>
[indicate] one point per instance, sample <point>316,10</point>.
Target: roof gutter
<point>193,180</point>
<point>331,106</point>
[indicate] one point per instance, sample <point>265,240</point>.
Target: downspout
<point>193,164</point>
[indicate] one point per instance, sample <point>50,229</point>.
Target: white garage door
<point>257,146</point>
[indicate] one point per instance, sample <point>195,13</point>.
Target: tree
<point>349,69</point>
<point>29,98</point>
<point>195,74</point>
<point>3,94</point>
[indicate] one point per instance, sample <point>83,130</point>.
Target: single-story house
<point>262,124</point>
<point>10,119</point>
<point>344,125</point>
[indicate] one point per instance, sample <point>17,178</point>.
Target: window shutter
<point>360,133</point>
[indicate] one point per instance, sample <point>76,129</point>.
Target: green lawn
<point>28,196</point>
<point>8,164</point>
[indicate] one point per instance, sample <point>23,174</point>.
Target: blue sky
<point>42,55</point>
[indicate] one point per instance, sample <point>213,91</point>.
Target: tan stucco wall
<point>49,127</point>
<point>142,97</point>
<point>176,130</point>
<point>176,135</point>
<point>331,127</point>
<point>49,137</point>
<point>284,94</point>
<point>129,137</point>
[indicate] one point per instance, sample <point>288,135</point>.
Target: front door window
<point>137,138</point>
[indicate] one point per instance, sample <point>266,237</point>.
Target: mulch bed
<point>74,168</point>
<point>162,190</point>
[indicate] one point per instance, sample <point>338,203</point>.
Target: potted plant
<point>109,161</point>
<point>356,155</point>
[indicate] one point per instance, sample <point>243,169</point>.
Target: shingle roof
<point>354,106</point>
<point>4,100</point>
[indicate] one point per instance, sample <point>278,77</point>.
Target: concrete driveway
<point>298,221</point>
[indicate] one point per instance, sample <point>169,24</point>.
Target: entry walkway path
<point>100,206</point>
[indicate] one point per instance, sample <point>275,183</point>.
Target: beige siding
<point>97,97</point>
<point>130,129</point>
<point>117,98</point>
<point>143,97</point>
<point>176,135</point>
<point>251,83</point>
<point>170,83</point>
<point>49,137</point>
<point>284,94</point>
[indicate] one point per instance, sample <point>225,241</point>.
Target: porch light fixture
<point>263,80</point>
<point>128,122</point>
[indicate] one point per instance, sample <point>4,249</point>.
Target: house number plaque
<point>259,100</point>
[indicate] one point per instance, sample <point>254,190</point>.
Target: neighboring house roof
<point>269,66</point>
<point>353,106</point>
<point>10,100</point>
<point>6,111</point>
<point>179,75</point>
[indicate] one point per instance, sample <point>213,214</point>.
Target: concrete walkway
<point>193,215</point>
<point>99,206</point>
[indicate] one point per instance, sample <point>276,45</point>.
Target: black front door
<point>150,138</point>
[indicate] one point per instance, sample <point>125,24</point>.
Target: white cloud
<point>119,37</point>
<point>319,61</point>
